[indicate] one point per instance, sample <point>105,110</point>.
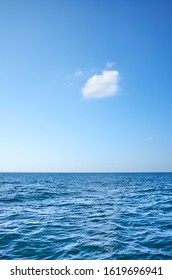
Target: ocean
<point>81,216</point>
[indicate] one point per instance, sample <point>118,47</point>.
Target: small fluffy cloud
<point>103,85</point>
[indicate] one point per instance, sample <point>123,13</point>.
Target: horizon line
<point>85,172</point>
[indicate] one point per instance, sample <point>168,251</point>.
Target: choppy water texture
<point>86,216</point>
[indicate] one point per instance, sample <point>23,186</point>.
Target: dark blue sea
<point>84,216</point>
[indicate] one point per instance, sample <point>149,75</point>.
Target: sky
<point>85,86</point>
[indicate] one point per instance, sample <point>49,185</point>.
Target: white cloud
<point>109,65</point>
<point>103,85</point>
<point>78,72</point>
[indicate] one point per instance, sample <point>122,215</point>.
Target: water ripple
<point>86,216</point>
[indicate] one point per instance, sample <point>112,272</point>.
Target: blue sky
<point>85,85</point>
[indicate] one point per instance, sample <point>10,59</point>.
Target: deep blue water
<point>86,216</point>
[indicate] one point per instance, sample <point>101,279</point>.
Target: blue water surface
<point>86,216</point>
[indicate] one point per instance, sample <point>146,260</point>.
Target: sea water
<point>86,216</point>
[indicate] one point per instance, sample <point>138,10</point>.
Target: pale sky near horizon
<point>85,85</point>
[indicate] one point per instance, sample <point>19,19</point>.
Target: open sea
<point>102,216</point>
